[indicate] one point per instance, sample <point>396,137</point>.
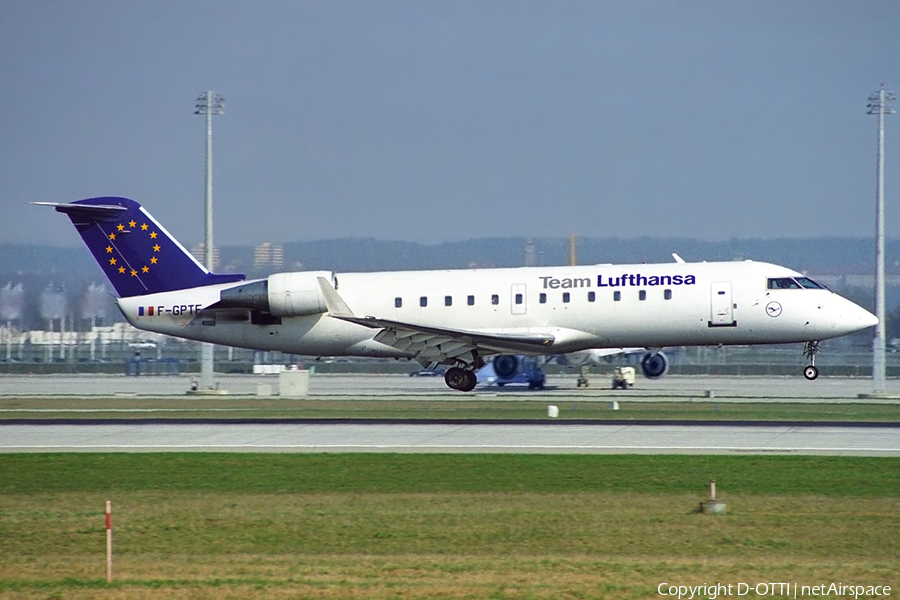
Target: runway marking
<point>443,446</point>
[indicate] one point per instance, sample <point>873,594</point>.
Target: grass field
<point>439,526</point>
<point>431,408</point>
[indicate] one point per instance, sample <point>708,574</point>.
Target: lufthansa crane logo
<point>773,309</point>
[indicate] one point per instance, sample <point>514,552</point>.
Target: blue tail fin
<point>137,254</point>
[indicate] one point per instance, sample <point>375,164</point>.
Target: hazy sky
<point>433,121</point>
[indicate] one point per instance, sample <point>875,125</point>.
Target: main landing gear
<point>810,350</point>
<point>460,379</point>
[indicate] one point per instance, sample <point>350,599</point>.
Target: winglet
<point>677,258</point>
<point>336,305</point>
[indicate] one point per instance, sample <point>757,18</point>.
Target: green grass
<point>386,526</point>
<point>504,407</point>
<point>450,473</point>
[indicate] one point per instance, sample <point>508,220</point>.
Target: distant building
<point>267,256</point>
<point>278,256</point>
<point>199,252</point>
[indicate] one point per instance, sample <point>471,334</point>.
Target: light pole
<point>209,103</point>
<point>879,104</point>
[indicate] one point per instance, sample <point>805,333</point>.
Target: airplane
<point>455,317</point>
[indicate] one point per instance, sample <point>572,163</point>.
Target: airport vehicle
<point>511,369</point>
<point>623,377</point>
<point>456,318</point>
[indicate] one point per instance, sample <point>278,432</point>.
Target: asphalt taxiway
<point>669,388</point>
<point>455,438</point>
<point>558,437</point>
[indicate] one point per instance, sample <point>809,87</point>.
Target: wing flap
<point>430,344</point>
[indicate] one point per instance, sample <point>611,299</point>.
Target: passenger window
<point>495,299</point>
<point>471,300</point>
<point>617,296</point>
<point>566,297</point>
<point>519,298</point>
<point>592,296</point>
<point>398,302</point>
<point>667,294</point>
<point>542,298</point>
<point>448,300</point>
<point>642,295</point>
<point>423,301</point>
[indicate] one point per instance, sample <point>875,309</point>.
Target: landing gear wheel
<point>460,379</point>
<point>455,378</point>
<point>810,351</point>
<point>471,382</point>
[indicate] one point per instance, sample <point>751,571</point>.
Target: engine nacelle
<point>281,294</point>
<point>655,365</point>
<point>506,365</point>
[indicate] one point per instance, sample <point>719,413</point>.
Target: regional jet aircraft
<point>456,318</point>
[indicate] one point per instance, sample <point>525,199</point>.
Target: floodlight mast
<point>880,104</point>
<point>209,103</point>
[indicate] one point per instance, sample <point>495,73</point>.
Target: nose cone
<point>855,318</point>
<point>867,319</point>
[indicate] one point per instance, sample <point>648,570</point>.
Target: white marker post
<point>108,541</point>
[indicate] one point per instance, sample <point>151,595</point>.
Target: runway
<point>455,438</point>
<point>666,389</point>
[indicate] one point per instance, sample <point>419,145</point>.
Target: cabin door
<point>721,305</point>
<point>517,299</point>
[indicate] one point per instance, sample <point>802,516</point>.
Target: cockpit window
<point>792,283</point>
<point>783,283</point>
<point>809,284</point>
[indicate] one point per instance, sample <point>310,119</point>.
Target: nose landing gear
<point>810,350</point>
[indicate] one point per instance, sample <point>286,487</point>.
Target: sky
<point>443,121</point>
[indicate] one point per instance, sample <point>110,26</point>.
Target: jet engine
<point>505,365</point>
<point>281,294</point>
<point>654,365</point>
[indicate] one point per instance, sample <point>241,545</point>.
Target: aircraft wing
<point>430,344</point>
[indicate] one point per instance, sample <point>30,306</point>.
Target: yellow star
<point>132,223</point>
<point>112,236</point>
<point>108,249</point>
<point>121,227</point>
<point>133,273</point>
<point>144,227</point>
<point>153,260</point>
<point>156,248</point>
<point>153,235</point>
<point>145,268</point>
<point>112,261</point>
<point>121,269</point>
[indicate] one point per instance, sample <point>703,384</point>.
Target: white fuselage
<point>607,306</point>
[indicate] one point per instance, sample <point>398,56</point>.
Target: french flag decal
<point>140,311</point>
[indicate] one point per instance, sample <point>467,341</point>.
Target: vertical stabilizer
<point>136,253</point>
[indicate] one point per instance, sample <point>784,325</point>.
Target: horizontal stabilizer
<point>87,212</point>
